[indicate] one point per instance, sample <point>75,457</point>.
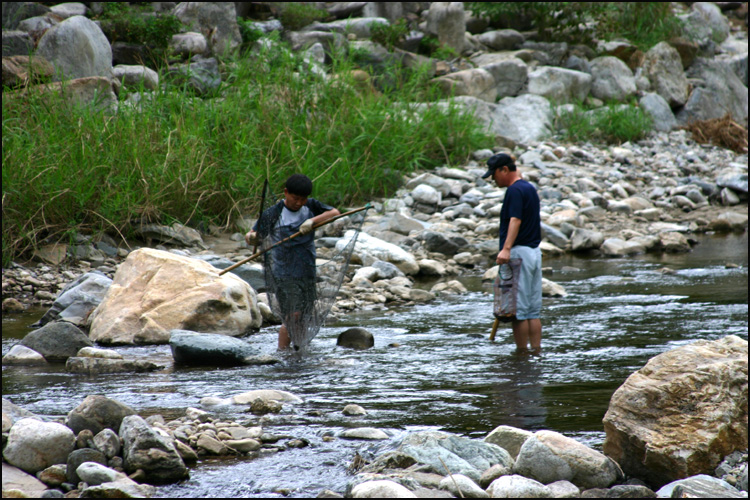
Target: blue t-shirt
<point>521,201</point>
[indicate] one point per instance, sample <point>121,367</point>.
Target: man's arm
<point>307,226</point>
<point>513,227</point>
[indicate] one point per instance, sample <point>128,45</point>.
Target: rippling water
<point>433,367</point>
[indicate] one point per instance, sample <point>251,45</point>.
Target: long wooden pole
<point>262,203</point>
<point>258,254</point>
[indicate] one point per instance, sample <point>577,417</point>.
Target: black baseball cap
<point>497,161</point>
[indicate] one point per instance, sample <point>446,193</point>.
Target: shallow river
<point>433,367</point>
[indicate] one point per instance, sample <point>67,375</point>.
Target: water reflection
<point>516,391</point>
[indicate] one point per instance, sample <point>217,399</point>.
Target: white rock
<point>516,486</point>
<point>462,486</point>
<point>368,433</point>
<point>22,355</point>
<point>381,489</point>
<point>34,445</point>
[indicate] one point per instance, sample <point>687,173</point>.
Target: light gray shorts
<point>529,301</point>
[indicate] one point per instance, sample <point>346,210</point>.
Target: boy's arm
<point>307,226</point>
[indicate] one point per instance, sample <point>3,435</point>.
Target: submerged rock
<point>356,338</point>
<point>208,349</point>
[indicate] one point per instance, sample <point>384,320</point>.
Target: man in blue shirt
<point>520,235</point>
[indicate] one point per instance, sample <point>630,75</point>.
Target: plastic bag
<point>506,290</point>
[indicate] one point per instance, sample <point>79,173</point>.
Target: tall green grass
<point>180,158</point>
<point>614,123</point>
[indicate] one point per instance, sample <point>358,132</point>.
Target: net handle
<point>299,233</point>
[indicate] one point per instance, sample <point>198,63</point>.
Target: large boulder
<point>77,48</point>
<point>681,413</point>
<point>57,341</point>
<point>96,92</point>
<point>663,67</point>
<point>143,448</point>
<point>154,292</point>
<point>78,299</point>
<point>659,111</point>
<point>217,18</point>
<point>97,413</point>
<point>34,445</point>
<point>549,456</point>
<point>510,76</point>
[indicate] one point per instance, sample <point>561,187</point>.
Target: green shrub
<point>615,123</point>
<point>389,35</point>
<point>204,160</point>
<point>642,23</point>
<point>121,23</point>
<point>558,21</point>
<point>250,34</point>
<point>295,15</point>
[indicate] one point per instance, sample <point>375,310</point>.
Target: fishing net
<point>506,290</point>
<point>301,288</point>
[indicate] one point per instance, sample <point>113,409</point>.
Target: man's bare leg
<point>528,331</point>
<point>284,341</point>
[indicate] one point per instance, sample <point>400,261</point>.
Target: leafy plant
<point>642,23</point>
<point>249,32</point>
<point>296,15</point>
<point>614,123</point>
<point>389,35</point>
<point>559,21</point>
<point>122,23</point>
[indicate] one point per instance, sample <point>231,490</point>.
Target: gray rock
<point>23,356</point>
<point>564,489</point>
<point>220,18</point>
<point>736,181</point>
<point>98,366</point>
<point>136,76</point>
<point>15,12</point>
<point>386,270</point>
<point>508,438</point>
<point>446,20</point>
<point>658,109</point>
<point>500,40</point>
<point>559,84</point>
<point>94,473</point>
<point>78,299</point>
<point>585,239</point>
<point>78,457</point>
<point>356,338</point>
<point>57,341</point>
<point>700,486</point>
<point>549,456</point>
<point>439,450</point>
<point>144,448</point>
<point>108,442</point>
<point>461,486</point>
<point>97,413</point>
<point>663,67</point>
<point>77,48</point>
<point>17,43</point>
<point>717,91</point>
<point>555,236</point>
<point>34,445</point>
<point>381,489</point>
<point>208,349</point>
<point>612,79</point>
<point>16,479</point>
<point>523,119</point>
<point>516,486</point>
<point>366,433</point>
<point>353,410</point>
<point>359,26</point>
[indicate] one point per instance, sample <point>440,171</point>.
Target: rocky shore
<point>104,449</point>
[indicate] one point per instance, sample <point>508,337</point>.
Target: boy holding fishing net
<point>290,269</point>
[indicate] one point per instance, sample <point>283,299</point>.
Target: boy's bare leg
<point>535,334</point>
<point>284,341</point>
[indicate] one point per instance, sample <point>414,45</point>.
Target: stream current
<point>432,367</point>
